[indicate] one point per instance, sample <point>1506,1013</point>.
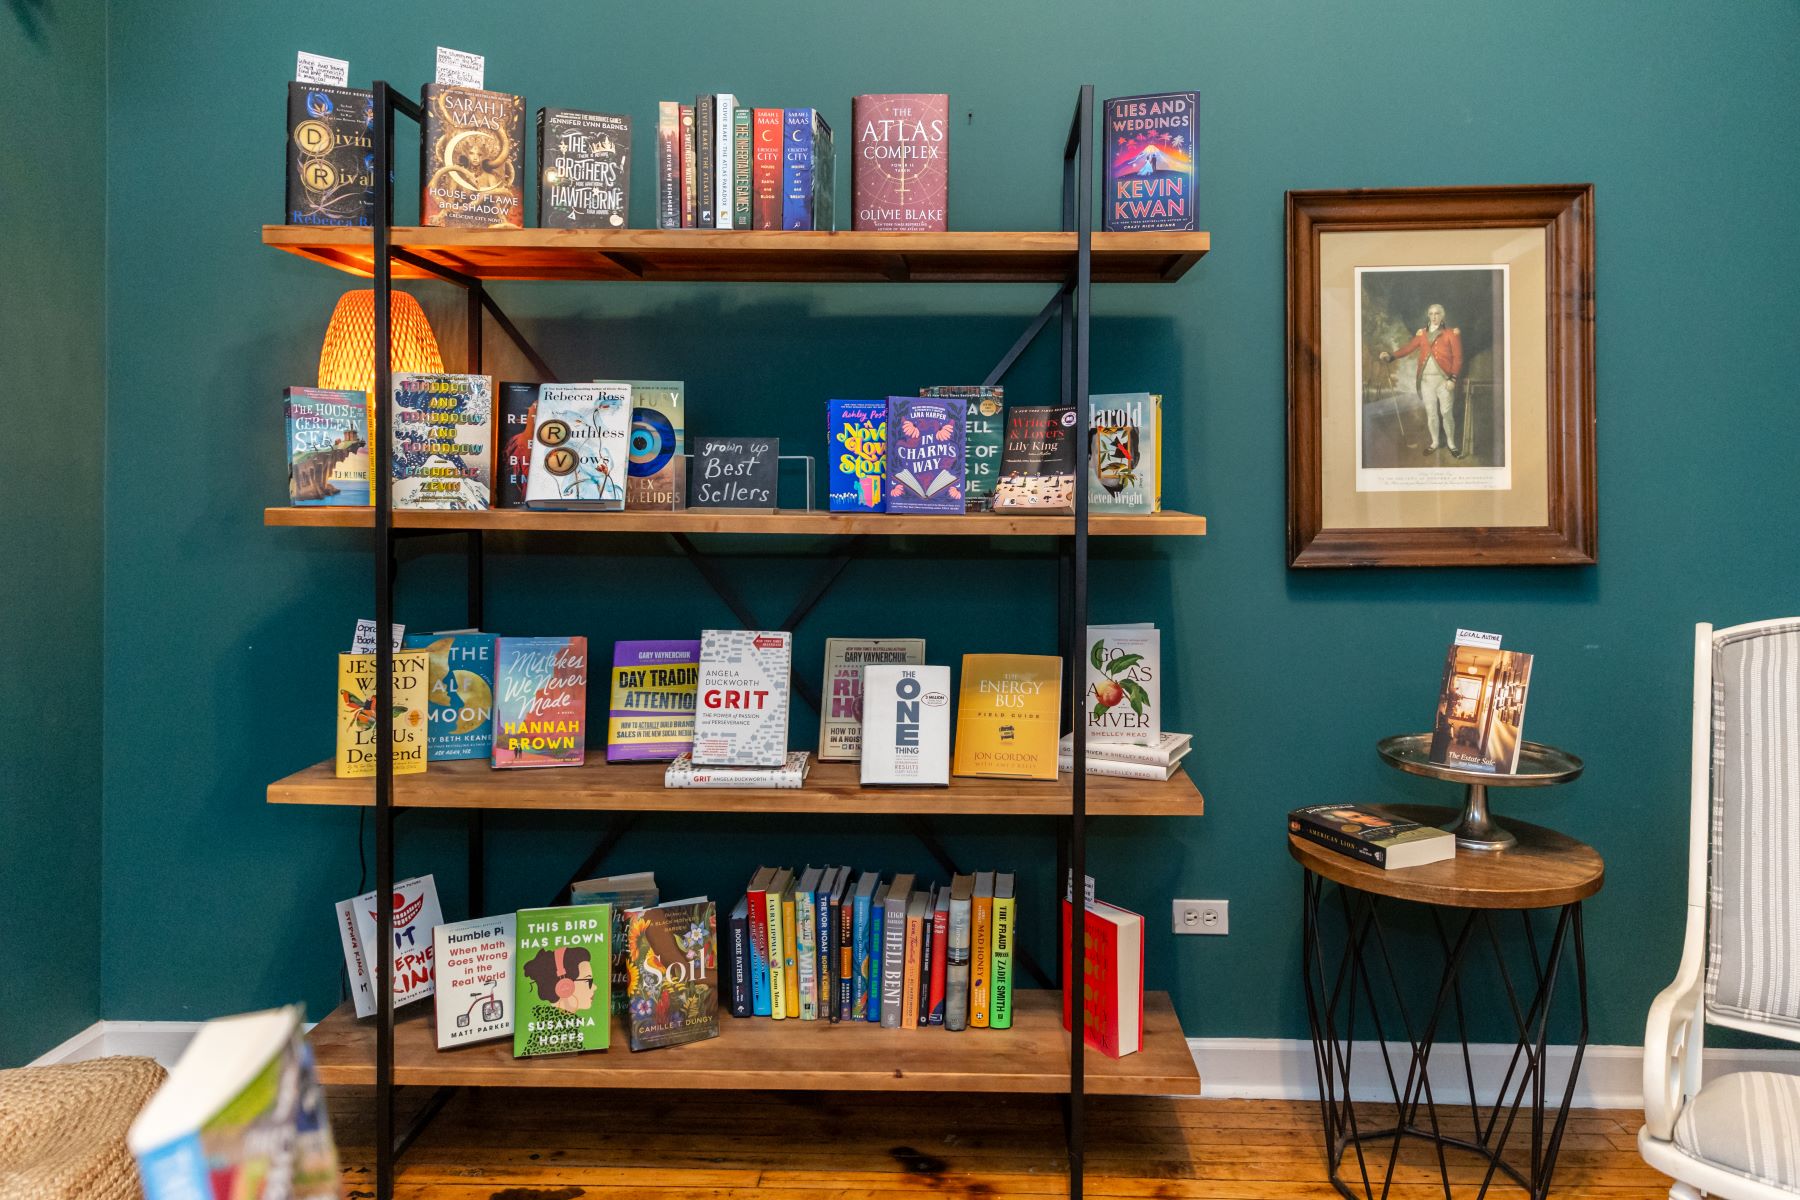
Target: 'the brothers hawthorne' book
<point>1125,453</point>
<point>562,1002</point>
<point>984,436</point>
<point>584,169</point>
<point>416,914</point>
<point>328,446</point>
<point>1151,151</point>
<point>356,715</point>
<point>1037,464</point>
<point>840,724</point>
<point>473,153</point>
<point>651,718</point>
<point>460,688</point>
<point>856,444</point>
<point>742,713</point>
<point>580,446</point>
<point>1124,684</point>
<point>1008,715</point>
<point>540,702</point>
<point>657,476</point>
<point>906,725</point>
<point>673,952</point>
<point>443,441</point>
<point>474,980</point>
<point>925,454</point>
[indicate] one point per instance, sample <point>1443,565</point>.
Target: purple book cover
<point>925,463</point>
<point>652,711</point>
<point>1152,147</point>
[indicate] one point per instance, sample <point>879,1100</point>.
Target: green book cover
<point>562,997</point>
<point>740,168</point>
<point>983,438</point>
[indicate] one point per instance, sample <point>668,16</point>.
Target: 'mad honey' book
<point>356,715</point>
<point>1008,715</point>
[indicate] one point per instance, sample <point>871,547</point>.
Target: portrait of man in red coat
<point>1439,350</point>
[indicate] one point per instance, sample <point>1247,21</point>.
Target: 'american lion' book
<point>562,1002</point>
<point>356,715</point>
<point>674,959</point>
<point>540,702</point>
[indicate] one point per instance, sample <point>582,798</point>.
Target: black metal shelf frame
<point>1069,306</point>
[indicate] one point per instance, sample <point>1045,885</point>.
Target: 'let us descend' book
<point>356,715</point>
<point>926,467</point>
<point>328,446</point>
<point>840,725</point>
<point>460,688</point>
<point>563,998</point>
<point>651,718</point>
<point>580,446</point>
<point>475,988</point>
<point>906,725</point>
<point>540,702</point>
<point>742,712</point>
<point>443,441</point>
<point>1008,715</point>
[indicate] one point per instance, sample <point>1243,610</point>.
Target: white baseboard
<point>1230,1068</point>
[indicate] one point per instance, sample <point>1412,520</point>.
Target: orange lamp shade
<point>347,359</point>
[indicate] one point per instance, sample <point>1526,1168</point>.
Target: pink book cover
<point>540,702</point>
<point>901,166</point>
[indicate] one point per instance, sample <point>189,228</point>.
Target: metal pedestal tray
<point>1539,766</point>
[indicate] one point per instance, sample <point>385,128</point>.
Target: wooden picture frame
<point>1415,454</point>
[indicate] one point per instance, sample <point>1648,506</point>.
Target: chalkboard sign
<point>734,472</point>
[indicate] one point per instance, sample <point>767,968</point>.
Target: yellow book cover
<point>790,959</point>
<point>981,949</point>
<point>1009,715</point>
<point>915,945</point>
<point>356,729</point>
<point>778,949</point>
<point>1156,399</point>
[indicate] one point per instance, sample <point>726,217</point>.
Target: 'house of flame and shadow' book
<point>472,159</point>
<point>540,702</point>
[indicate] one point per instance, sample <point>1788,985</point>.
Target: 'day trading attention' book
<point>741,717</point>
<point>443,441</point>
<point>460,687</point>
<point>984,436</point>
<point>1481,709</point>
<point>840,724</point>
<point>856,441</point>
<point>925,463</point>
<point>580,446</point>
<point>540,702</point>
<point>356,715</point>
<point>1125,453</point>
<point>673,952</point>
<point>563,998</point>
<point>651,718</point>
<point>1152,145</point>
<point>657,477</point>
<point>330,155</point>
<point>584,169</point>
<point>906,725</point>
<point>472,154</point>
<point>328,446</point>
<point>1124,684</point>
<point>1037,465</point>
<point>1008,715</point>
<point>416,914</point>
<point>474,980</point>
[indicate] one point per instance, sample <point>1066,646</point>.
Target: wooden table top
<point>1544,870</point>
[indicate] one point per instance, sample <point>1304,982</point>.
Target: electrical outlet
<point>1203,916</point>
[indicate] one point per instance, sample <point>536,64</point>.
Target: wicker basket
<point>62,1129</point>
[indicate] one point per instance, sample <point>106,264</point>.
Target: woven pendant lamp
<point>347,359</point>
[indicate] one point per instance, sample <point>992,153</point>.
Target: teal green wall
<point>220,633</point>
<point>52,348</point>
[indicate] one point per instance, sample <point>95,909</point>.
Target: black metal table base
<point>1359,992</point>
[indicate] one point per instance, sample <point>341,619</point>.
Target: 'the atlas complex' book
<point>651,718</point>
<point>1008,715</point>
<point>636,889</point>
<point>906,725</point>
<point>925,454</point>
<point>518,410</point>
<point>901,171</point>
<point>1481,709</point>
<point>443,441</point>
<point>540,702</point>
<point>328,446</point>
<point>473,151</point>
<point>742,711</point>
<point>840,724</point>
<point>416,914</point>
<point>330,155</point>
<point>656,477</point>
<point>584,169</point>
<point>356,715</point>
<point>856,444</point>
<point>673,952</point>
<point>1372,835</point>
<point>806,171</point>
<point>1125,453</point>
<point>580,446</point>
<point>1037,466</point>
<point>1151,150</point>
<point>563,1000</point>
<point>1124,684</point>
<point>460,688</point>
<point>984,435</point>
<point>474,980</point>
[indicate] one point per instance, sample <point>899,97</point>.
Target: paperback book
<point>900,175</point>
<point>1372,834</point>
<point>460,690</point>
<point>651,718</point>
<point>706,113</point>
<point>840,725</point>
<point>1000,953</point>
<point>473,156</point>
<point>356,715</point>
<point>1037,465</point>
<point>1152,146</point>
<point>474,980</point>
<point>1008,715</point>
<point>981,949</point>
<point>330,155</point>
<point>584,169</point>
<point>580,446</point>
<point>622,893</point>
<point>328,446</point>
<point>1098,764</point>
<point>416,914</point>
<point>791,773</point>
<point>806,171</point>
<point>518,412</point>
<point>926,468</point>
<point>906,725</point>
<point>1124,684</point>
<point>674,965</point>
<point>723,158</point>
<point>1124,453</point>
<point>984,437</point>
<point>1481,709</point>
<point>540,702</point>
<point>563,998</point>
<point>737,933</point>
<point>856,431</point>
<point>443,441</point>
<point>741,717</point>
<point>656,478</point>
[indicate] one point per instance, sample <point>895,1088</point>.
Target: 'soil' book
<point>673,952</point>
<point>901,173</point>
<point>443,441</point>
<point>1151,151</point>
<point>580,445</point>
<point>1123,454</point>
<point>330,155</point>
<point>1008,715</point>
<point>584,169</point>
<point>741,718</point>
<point>656,479</point>
<point>856,438</point>
<point>473,151</point>
<point>460,688</point>
<point>906,725</point>
<point>984,436</point>
<point>563,998</point>
<point>840,724</point>
<point>1037,464</point>
<point>356,715</point>
<point>328,446</point>
<point>540,702</point>
<point>1372,835</point>
<point>926,467</point>
<point>651,718</point>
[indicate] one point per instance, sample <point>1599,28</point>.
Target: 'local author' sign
<point>735,472</point>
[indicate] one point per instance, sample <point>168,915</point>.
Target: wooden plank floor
<point>565,1145</point>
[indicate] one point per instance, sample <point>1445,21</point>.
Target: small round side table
<point>1354,994</point>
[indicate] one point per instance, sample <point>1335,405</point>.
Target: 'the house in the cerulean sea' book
<point>473,960</point>
<point>856,445</point>
<point>443,441</point>
<point>540,702</point>
<point>840,724</point>
<point>925,454</point>
<point>356,715</point>
<point>651,718</point>
<point>580,446</point>
<point>741,717</point>
<point>1151,151</point>
<point>562,1001</point>
<point>460,688</point>
<point>328,446</point>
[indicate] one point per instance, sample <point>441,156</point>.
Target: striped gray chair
<point>1736,1135</point>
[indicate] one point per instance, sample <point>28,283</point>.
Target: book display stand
<point>1476,830</point>
<point>1036,1055</point>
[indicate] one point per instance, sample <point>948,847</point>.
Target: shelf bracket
<point>427,1113</point>
<point>1025,339</point>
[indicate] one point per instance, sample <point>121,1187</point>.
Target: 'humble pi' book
<point>474,980</point>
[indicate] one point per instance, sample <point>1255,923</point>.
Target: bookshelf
<point>395,1049</point>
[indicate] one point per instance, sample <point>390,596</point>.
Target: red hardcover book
<point>765,168</point>
<point>1113,992</point>
<point>901,163</point>
<point>940,956</point>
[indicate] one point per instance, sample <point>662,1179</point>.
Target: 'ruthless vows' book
<point>1481,709</point>
<point>925,454</point>
<point>901,172</point>
<point>472,173</point>
<point>1151,150</point>
<point>1372,835</point>
<point>580,446</point>
<point>584,169</point>
<point>330,155</point>
<point>328,446</point>
<point>443,441</point>
<point>540,702</point>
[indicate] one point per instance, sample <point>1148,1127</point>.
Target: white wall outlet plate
<point>1203,916</point>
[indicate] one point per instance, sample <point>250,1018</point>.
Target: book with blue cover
<point>806,171</point>
<point>860,901</point>
<point>328,446</point>
<point>856,440</point>
<point>926,462</point>
<point>460,691</point>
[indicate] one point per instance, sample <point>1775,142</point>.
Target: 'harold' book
<point>1125,453</point>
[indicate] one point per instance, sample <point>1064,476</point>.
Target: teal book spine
<point>460,693</point>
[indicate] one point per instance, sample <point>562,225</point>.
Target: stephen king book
<point>1481,709</point>
<point>765,168</point>
<point>416,913</point>
<point>1152,150</point>
<point>901,172</point>
<point>840,724</point>
<point>668,165</point>
<point>856,440</point>
<point>328,446</point>
<point>562,1001</point>
<point>356,715</point>
<point>741,718</point>
<point>584,169</point>
<point>330,155</point>
<point>472,170</point>
<point>473,961</point>
<point>443,441</point>
<point>1008,715</point>
<point>651,718</point>
<point>925,463</point>
<point>580,445</point>
<point>656,478</point>
<point>984,436</point>
<point>673,951</point>
<point>518,407</point>
<point>1037,464</point>
<point>460,688</point>
<point>1123,446</point>
<point>540,702</point>
<point>906,725</point>
<point>807,181</point>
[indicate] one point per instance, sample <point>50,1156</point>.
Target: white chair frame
<point>1675,1036</point>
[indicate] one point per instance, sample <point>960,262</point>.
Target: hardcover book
<point>683,773</point>
<point>540,702</point>
<point>1037,464</point>
<point>740,168</point>
<point>741,719</point>
<point>859,901</point>
<point>1372,835</point>
<point>724,157</point>
<point>843,928</point>
<point>790,948</point>
<point>806,171</point>
<point>706,160</point>
<point>1481,709</point>
<point>652,713</point>
<point>1113,988</point>
<point>984,436</point>
<point>668,165</point>
<point>1000,967</point>
<point>1151,150</point>
<point>474,980</point>
<point>443,441</point>
<point>518,411</point>
<point>623,892</point>
<point>473,152</point>
<point>580,446</point>
<point>958,953</point>
<point>1166,751</point>
<point>806,940</point>
<point>416,913</point>
<point>674,956</point>
<point>1124,684</point>
<point>1123,459</point>
<point>460,689</point>
<point>893,950</point>
<point>856,433</point>
<point>765,168</point>
<point>906,725</point>
<point>738,952</point>
<point>925,454</point>
<point>656,478</point>
<point>690,181</point>
<point>757,903</point>
<point>584,169</point>
<point>328,446</point>
<point>877,947</point>
<point>1008,714</point>
<point>940,958</point>
<point>562,1002</point>
<point>780,883</point>
<point>900,177</point>
<point>840,725</point>
<point>917,906</point>
<point>981,949</point>
<point>356,716</point>
<point>1099,764</point>
<point>330,155</point>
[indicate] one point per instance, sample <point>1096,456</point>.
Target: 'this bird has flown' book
<point>356,715</point>
<point>540,702</point>
<point>580,446</point>
<point>651,718</point>
<point>474,980</point>
<point>460,688</point>
<point>328,446</point>
<point>443,441</point>
<point>673,952</point>
<point>562,1002</point>
<point>1008,715</point>
<point>1151,151</point>
<point>925,454</point>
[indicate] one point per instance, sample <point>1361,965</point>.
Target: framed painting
<point>1441,377</point>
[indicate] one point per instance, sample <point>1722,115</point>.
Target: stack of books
<point>1126,760</point>
<point>724,165</point>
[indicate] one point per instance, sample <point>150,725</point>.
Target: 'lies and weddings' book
<point>906,724</point>
<point>1151,150</point>
<point>540,702</point>
<point>741,717</point>
<point>474,980</point>
<point>840,724</point>
<point>580,446</point>
<point>1481,709</point>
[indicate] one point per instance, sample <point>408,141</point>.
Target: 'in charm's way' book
<point>443,441</point>
<point>984,435</point>
<point>473,150</point>
<point>563,998</point>
<point>652,712</point>
<point>906,725</point>
<point>460,687</point>
<point>580,446</point>
<point>474,980</point>
<point>540,702</point>
<point>741,718</point>
<point>356,715</point>
<point>673,952</point>
<point>584,169</point>
<point>328,446</point>
<point>840,724</point>
<point>1152,146</point>
<point>925,463</point>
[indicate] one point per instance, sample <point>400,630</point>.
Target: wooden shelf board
<point>766,256</point>
<point>759,1053</point>
<point>831,787</point>
<point>781,521</point>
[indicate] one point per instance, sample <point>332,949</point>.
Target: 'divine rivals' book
<point>901,170</point>
<point>328,446</point>
<point>562,1002</point>
<point>856,441</point>
<point>356,715</point>
<point>1151,151</point>
<point>330,155</point>
<point>460,688</point>
<point>540,702</point>
<point>1008,715</point>
<point>840,724</point>
<point>1037,465</point>
<point>475,986</point>
<point>984,436</point>
<point>580,446</point>
<point>906,725</point>
<point>416,914</point>
<point>472,155</point>
<point>742,713</point>
<point>518,410</point>
<point>584,169</point>
<point>656,478</point>
<point>1124,453</point>
<point>443,429</point>
<point>1124,684</point>
<point>926,468</point>
<point>651,717</point>
<point>673,952</point>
